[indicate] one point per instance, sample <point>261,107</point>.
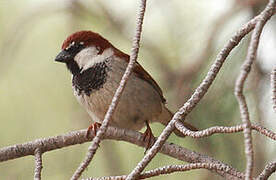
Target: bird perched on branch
<point>97,68</point>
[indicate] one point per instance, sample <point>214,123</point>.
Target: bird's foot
<point>93,127</point>
<point>148,137</point>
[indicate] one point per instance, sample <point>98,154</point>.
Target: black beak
<point>63,56</point>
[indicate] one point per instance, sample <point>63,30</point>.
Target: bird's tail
<point>167,115</point>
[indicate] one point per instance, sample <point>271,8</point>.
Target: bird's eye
<point>71,45</point>
<point>99,49</point>
<point>75,47</point>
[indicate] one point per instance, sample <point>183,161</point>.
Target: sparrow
<point>97,68</point>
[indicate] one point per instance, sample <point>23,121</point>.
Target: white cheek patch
<point>88,57</point>
<point>85,56</point>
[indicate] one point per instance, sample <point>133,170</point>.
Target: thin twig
<point>196,97</point>
<point>38,164</point>
<point>134,137</point>
<point>133,56</point>
<point>170,169</point>
<point>222,129</point>
<point>246,67</point>
<point>273,88</point>
<point>187,74</point>
<point>268,170</point>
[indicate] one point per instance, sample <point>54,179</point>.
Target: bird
<point>97,68</point>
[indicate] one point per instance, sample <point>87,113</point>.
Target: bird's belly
<point>125,115</point>
<point>138,103</point>
<point>83,100</point>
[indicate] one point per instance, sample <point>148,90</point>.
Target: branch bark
<point>134,137</point>
<point>268,170</point>
<point>273,88</point>
<point>222,129</point>
<point>38,164</point>
<point>170,169</point>
<point>246,67</point>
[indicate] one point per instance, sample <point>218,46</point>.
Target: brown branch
<point>38,164</point>
<point>170,169</point>
<point>246,67</point>
<point>273,88</point>
<point>222,129</point>
<point>115,100</point>
<point>268,170</point>
<point>196,97</point>
<point>134,137</point>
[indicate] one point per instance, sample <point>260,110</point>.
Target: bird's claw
<point>148,137</point>
<point>93,127</point>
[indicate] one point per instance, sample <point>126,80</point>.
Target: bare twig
<point>196,97</point>
<point>187,74</point>
<point>171,169</point>
<point>79,137</point>
<point>273,87</point>
<point>133,56</point>
<point>159,55</point>
<point>251,56</point>
<point>40,146</point>
<point>257,95</point>
<point>38,164</point>
<point>268,170</point>
<point>222,129</point>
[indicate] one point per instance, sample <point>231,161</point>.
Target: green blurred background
<point>180,41</point>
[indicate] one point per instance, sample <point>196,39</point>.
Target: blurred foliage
<point>36,99</point>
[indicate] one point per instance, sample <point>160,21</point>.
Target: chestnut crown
<point>86,38</point>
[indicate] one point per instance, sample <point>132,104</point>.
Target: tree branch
<point>196,97</point>
<point>268,170</point>
<point>38,147</point>
<point>185,75</point>
<point>222,129</point>
<point>38,164</point>
<point>134,137</point>
<point>273,88</point>
<point>246,67</point>
<point>115,100</point>
<point>171,169</point>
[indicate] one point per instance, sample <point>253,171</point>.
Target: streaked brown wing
<point>142,73</point>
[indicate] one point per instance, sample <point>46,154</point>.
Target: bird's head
<point>81,50</point>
